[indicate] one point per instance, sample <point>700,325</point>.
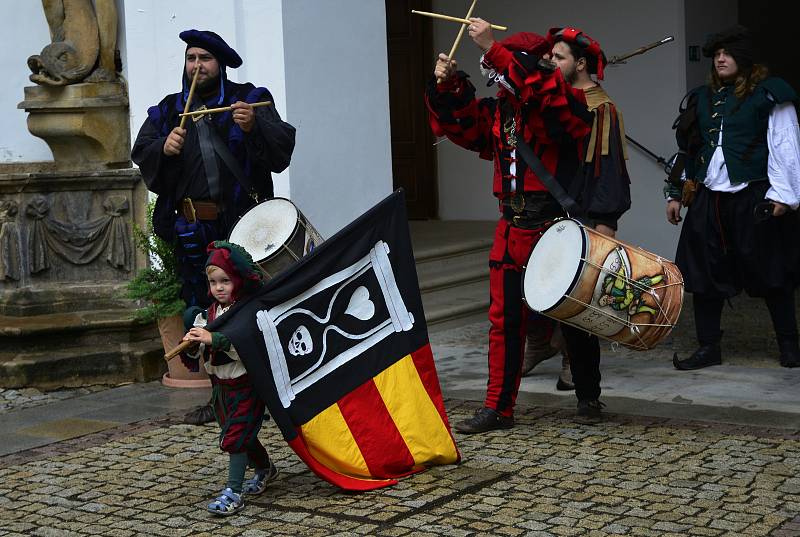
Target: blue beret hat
<point>213,43</point>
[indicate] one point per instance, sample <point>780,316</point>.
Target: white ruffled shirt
<point>233,370</point>
<point>783,163</point>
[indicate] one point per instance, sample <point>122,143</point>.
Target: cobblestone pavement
<point>547,476</point>
<point>11,399</point>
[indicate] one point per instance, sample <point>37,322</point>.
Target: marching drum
<point>604,286</point>
<point>276,234</point>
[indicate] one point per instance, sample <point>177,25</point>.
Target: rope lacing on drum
<point>635,328</point>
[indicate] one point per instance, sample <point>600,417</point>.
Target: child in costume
<point>231,275</point>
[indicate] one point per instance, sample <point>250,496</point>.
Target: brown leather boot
<point>564,382</point>
<point>538,347</point>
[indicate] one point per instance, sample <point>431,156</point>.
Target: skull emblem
<point>301,343</point>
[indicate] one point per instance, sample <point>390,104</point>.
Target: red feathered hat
<point>576,36</point>
<point>527,42</point>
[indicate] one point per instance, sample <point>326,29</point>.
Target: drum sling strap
<point>210,144</point>
<point>562,197</point>
<point>204,138</point>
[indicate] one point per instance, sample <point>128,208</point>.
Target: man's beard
<point>570,76</point>
<point>208,86</point>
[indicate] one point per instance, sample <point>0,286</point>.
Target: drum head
<point>554,265</point>
<point>265,228</point>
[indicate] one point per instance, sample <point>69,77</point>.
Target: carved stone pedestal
<point>85,125</point>
<point>66,254</point>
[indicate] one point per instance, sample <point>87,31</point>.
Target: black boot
<point>790,353</point>
<point>485,419</point>
<point>590,411</point>
<point>705,356</point>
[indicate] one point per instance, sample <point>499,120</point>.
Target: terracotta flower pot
<point>172,331</point>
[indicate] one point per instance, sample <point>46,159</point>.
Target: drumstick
<point>191,94</point>
<point>222,109</point>
<point>179,349</point>
<point>454,19</point>
<point>458,37</point>
<point>461,30</point>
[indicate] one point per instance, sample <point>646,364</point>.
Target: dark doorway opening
<point>774,36</point>
<point>410,53</point>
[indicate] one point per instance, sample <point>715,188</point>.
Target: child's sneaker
<point>258,483</point>
<point>227,503</point>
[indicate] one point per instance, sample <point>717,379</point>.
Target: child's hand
<point>200,335</point>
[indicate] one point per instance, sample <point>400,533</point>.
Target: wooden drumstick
<point>461,30</point>
<point>191,95</point>
<point>221,109</point>
<point>458,37</point>
<point>179,349</point>
<point>454,19</point>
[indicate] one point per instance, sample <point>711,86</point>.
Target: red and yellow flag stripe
<point>390,426</point>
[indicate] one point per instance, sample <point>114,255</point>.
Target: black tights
<point>708,314</point>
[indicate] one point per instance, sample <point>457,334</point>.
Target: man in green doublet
<point>742,189</point>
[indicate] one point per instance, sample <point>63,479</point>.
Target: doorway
<point>410,57</point>
<point>774,41</point>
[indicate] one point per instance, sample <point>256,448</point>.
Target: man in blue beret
<point>213,170</point>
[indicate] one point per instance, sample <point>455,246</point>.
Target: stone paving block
<point>672,527</point>
<point>704,531</point>
<point>616,529</point>
<point>727,525</point>
<point>589,523</point>
<point>255,533</point>
<point>52,532</point>
<point>532,525</point>
<point>636,522</point>
<point>561,530</point>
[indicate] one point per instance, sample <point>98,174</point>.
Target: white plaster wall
<point>24,31</point>
<point>338,98</point>
<point>647,89</point>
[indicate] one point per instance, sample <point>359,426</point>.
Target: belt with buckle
<point>524,222</point>
<point>531,209</point>
<point>516,202</point>
<point>194,210</point>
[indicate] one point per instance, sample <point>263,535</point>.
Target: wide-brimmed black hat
<point>737,41</point>
<point>213,43</point>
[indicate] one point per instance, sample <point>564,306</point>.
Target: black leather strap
<point>232,164</point>
<point>553,186</point>
<point>205,138</point>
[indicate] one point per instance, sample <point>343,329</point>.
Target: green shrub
<point>157,286</point>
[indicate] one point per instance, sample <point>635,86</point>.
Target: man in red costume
<point>537,107</point>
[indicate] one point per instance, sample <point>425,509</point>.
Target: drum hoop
<point>291,235</point>
<point>631,326</point>
<point>575,279</point>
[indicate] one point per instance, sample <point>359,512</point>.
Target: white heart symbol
<point>360,306</point>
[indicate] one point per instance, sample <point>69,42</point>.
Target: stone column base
<point>85,125</point>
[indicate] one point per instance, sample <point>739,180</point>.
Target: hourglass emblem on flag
<point>333,322</point>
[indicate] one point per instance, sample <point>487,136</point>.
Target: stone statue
<point>84,40</point>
